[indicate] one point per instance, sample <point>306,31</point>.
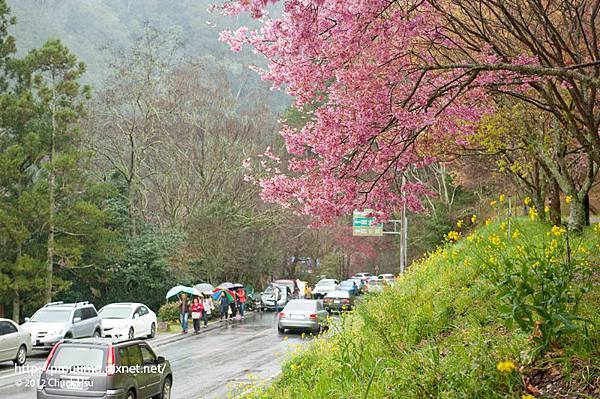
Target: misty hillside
<point>90,28</point>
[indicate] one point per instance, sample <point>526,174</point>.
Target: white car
<point>325,286</point>
<point>15,343</point>
<point>127,320</point>
<point>389,278</point>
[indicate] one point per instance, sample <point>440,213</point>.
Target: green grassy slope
<point>439,333</point>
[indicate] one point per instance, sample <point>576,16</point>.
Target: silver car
<point>58,320</point>
<point>303,314</point>
<point>325,286</point>
<point>14,342</point>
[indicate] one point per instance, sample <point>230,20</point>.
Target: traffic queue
<point>101,352</point>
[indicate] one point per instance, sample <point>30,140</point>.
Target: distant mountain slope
<point>89,26</point>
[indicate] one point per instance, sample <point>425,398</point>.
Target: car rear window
<point>338,294</point>
<point>297,306</point>
<point>79,359</point>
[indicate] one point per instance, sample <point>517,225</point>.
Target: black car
<point>103,368</point>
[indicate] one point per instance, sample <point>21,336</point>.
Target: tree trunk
<point>577,214</point>
<point>586,209</point>
<point>555,211</point>
<point>16,305</point>
<point>52,207</point>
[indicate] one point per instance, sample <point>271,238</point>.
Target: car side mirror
<point>27,320</point>
<point>161,360</point>
<point>76,320</point>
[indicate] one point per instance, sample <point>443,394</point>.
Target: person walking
<point>307,292</point>
<point>184,312</point>
<point>207,309</point>
<point>241,296</point>
<point>276,295</point>
<point>224,306</point>
<point>197,309</point>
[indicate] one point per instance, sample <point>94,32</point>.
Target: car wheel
<point>152,331</point>
<point>130,334</point>
<point>97,334</point>
<point>130,395</point>
<point>21,356</point>
<point>280,330</point>
<point>166,389</point>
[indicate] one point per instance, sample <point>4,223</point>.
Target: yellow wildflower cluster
<point>568,199</point>
<point>453,235</point>
<point>597,227</point>
<point>533,214</point>
<point>495,240</point>
<point>516,234</point>
<point>501,198</point>
<point>506,366</point>
<point>503,226</point>
<point>459,223</point>
<point>474,219</point>
<point>558,230</point>
<point>527,397</point>
<point>493,203</point>
<point>488,222</point>
<point>546,209</point>
<point>527,201</point>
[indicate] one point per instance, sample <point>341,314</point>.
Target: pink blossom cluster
<point>361,65</point>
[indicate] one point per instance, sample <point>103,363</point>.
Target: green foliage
<point>541,282</point>
<point>169,312</point>
<point>440,333</point>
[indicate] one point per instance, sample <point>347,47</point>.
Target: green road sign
<point>365,226</point>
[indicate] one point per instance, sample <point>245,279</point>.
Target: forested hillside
<point>92,29</point>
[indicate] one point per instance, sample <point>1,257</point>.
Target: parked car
<point>103,368</point>
<point>338,301</point>
<point>267,300</point>
<point>389,278</point>
<point>349,285</point>
<point>303,314</point>
<point>376,286</point>
<point>58,320</point>
<point>324,286</point>
<point>127,320</point>
<point>15,343</point>
<point>362,275</point>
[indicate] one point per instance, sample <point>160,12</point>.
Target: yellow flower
<point>536,264</point>
<point>516,234</point>
<point>597,227</point>
<point>471,237</point>
<point>558,231</point>
<point>493,203</point>
<point>533,213</point>
<point>527,397</point>
<point>494,239</point>
<point>503,226</point>
<point>474,219</point>
<point>459,223</point>
<point>527,201</point>
<point>501,198</point>
<point>546,209</point>
<point>453,235</point>
<point>568,199</point>
<point>506,366</point>
<point>488,222</point>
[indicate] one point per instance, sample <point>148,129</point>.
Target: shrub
<point>169,311</point>
<point>535,280</point>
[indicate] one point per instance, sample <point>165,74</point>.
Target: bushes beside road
<point>497,314</point>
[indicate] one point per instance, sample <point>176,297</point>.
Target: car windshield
<point>115,312</point>
<point>306,306</point>
<point>326,282</point>
<point>78,359</point>
<point>51,315</point>
<point>347,283</point>
<point>268,290</point>
<point>338,294</point>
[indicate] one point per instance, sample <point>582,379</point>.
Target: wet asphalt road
<point>227,359</point>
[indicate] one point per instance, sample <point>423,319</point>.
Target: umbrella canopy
<point>205,288</point>
<point>227,286</point>
<point>218,292</point>
<point>182,289</point>
<point>236,286</point>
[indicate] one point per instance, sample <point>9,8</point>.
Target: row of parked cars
<point>56,321</point>
<point>92,353</point>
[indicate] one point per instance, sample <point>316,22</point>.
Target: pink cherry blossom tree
<point>382,81</point>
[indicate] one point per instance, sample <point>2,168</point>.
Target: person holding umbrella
<point>197,312</point>
<point>241,298</point>
<point>184,312</point>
